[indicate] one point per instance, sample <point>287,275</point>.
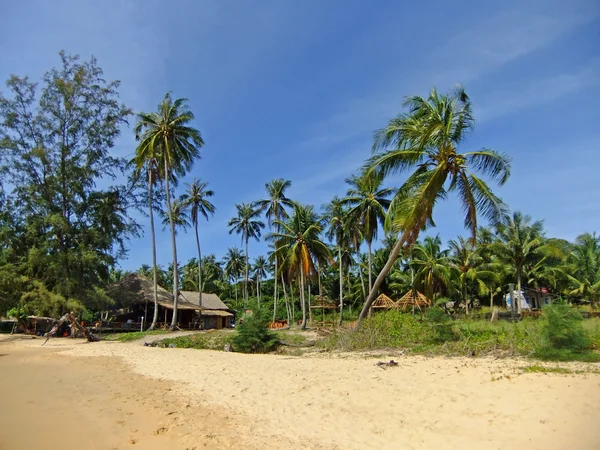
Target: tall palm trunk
<point>370,267</point>
<point>341,284</point>
<point>362,278</point>
<point>275,292</point>
<point>258,289</point>
<point>466,300</point>
<point>518,296</point>
<point>174,244</point>
<point>287,304</point>
<point>491,299</point>
<point>154,268</point>
<point>246,281</point>
<point>302,300</point>
<point>199,263</point>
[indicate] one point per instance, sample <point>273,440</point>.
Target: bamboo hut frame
<point>384,302</point>
<point>322,302</point>
<point>414,299</point>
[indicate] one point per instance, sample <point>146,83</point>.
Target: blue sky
<point>295,89</point>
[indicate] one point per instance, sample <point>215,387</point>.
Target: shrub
<point>441,325</point>
<point>563,336</point>
<point>253,335</point>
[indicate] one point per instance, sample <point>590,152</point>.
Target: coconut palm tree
<point>260,272</point>
<point>369,202</point>
<point>234,266</point>
<point>167,135</point>
<point>520,243</point>
<point>584,267</point>
<point>337,217</point>
<point>471,269</point>
<point>431,265</point>
<point>178,215</point>
<point>274,208</point>
<point>196,198</point>
<point>298,241</point>
<point>248,226</point>
<point>426,138</point>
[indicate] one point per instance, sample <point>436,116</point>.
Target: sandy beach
<point>111,395</point>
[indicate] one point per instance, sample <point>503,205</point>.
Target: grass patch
<point>215,340</point>
<point>556,369</point>
<point>558,335</point>
<point>132,335</point>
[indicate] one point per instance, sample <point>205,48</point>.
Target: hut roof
<point>135,288</point>
<point>209,301</point>
<point>323,302</point>
<point>413,297</point>
<point>383,302</point>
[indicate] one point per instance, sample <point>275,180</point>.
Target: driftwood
<point>74,324</point>
<point>289,344</point>
<point>385,365</point>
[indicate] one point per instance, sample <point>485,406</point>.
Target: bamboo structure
<point>383,302</point>
<point>322,302</point>
<point>413,300</point>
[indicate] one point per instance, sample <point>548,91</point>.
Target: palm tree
<point>234,265</point>
<point>196,198</point>
<point>246,224</point>
<point>260,272</point>
<point>426,138</point>
<point>167,136</point>
<point>520,243</point>
<point>148,159</point>
<point>431,266</point>
<point>178,216</point>
<point>274,207</point>
<point>584,265</point>
<point>471,268</point>
<point>298,241</point>
<point>337,218</point>
<point>369,202</point>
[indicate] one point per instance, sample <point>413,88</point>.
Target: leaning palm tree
<point>274,207</point>
<point>298,241</point>
<point>248,226</point>
<point>196,198</point>
<point>337,217</point>
<point>369,203</point>
<point>168,136</point>
<point>426,138</point>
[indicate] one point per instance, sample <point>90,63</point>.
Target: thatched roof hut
<point>413,299</point>
<point>383,302</point>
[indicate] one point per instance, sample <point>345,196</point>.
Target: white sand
<point>347,402</point>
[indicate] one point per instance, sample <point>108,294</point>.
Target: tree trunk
<point>491,299</point>
<point>466,300</point>
<point>386,269</point>
<point>154,268</point>
<point>293,302</point>
<point>362,278</point>
<point>309,308</point>
<point>341,284</point>
<point>246,280</point>
<point>199,262</point>
<point>258,289</point>
<point>518,299</point>
<point>287,305</point>
<point>275,292</point>
<point>370,267</point>
<point>174,244</point>
<point>302,300</point>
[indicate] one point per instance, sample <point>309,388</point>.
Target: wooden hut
<point>413,300</point>
<point>383,302</point>
<point>323,303</point>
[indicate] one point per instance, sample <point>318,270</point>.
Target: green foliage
<point>201,341</point>
<point>563,336</point>
<point>40,301</point>
<point>441,325</point>
<point>253,335</point>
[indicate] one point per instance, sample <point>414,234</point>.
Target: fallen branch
<point>385,365</point>
<point>71,318</point>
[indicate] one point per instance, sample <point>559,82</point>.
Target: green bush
<point>563,336</point>
<point>441,325</point>
<point>253,335</point>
